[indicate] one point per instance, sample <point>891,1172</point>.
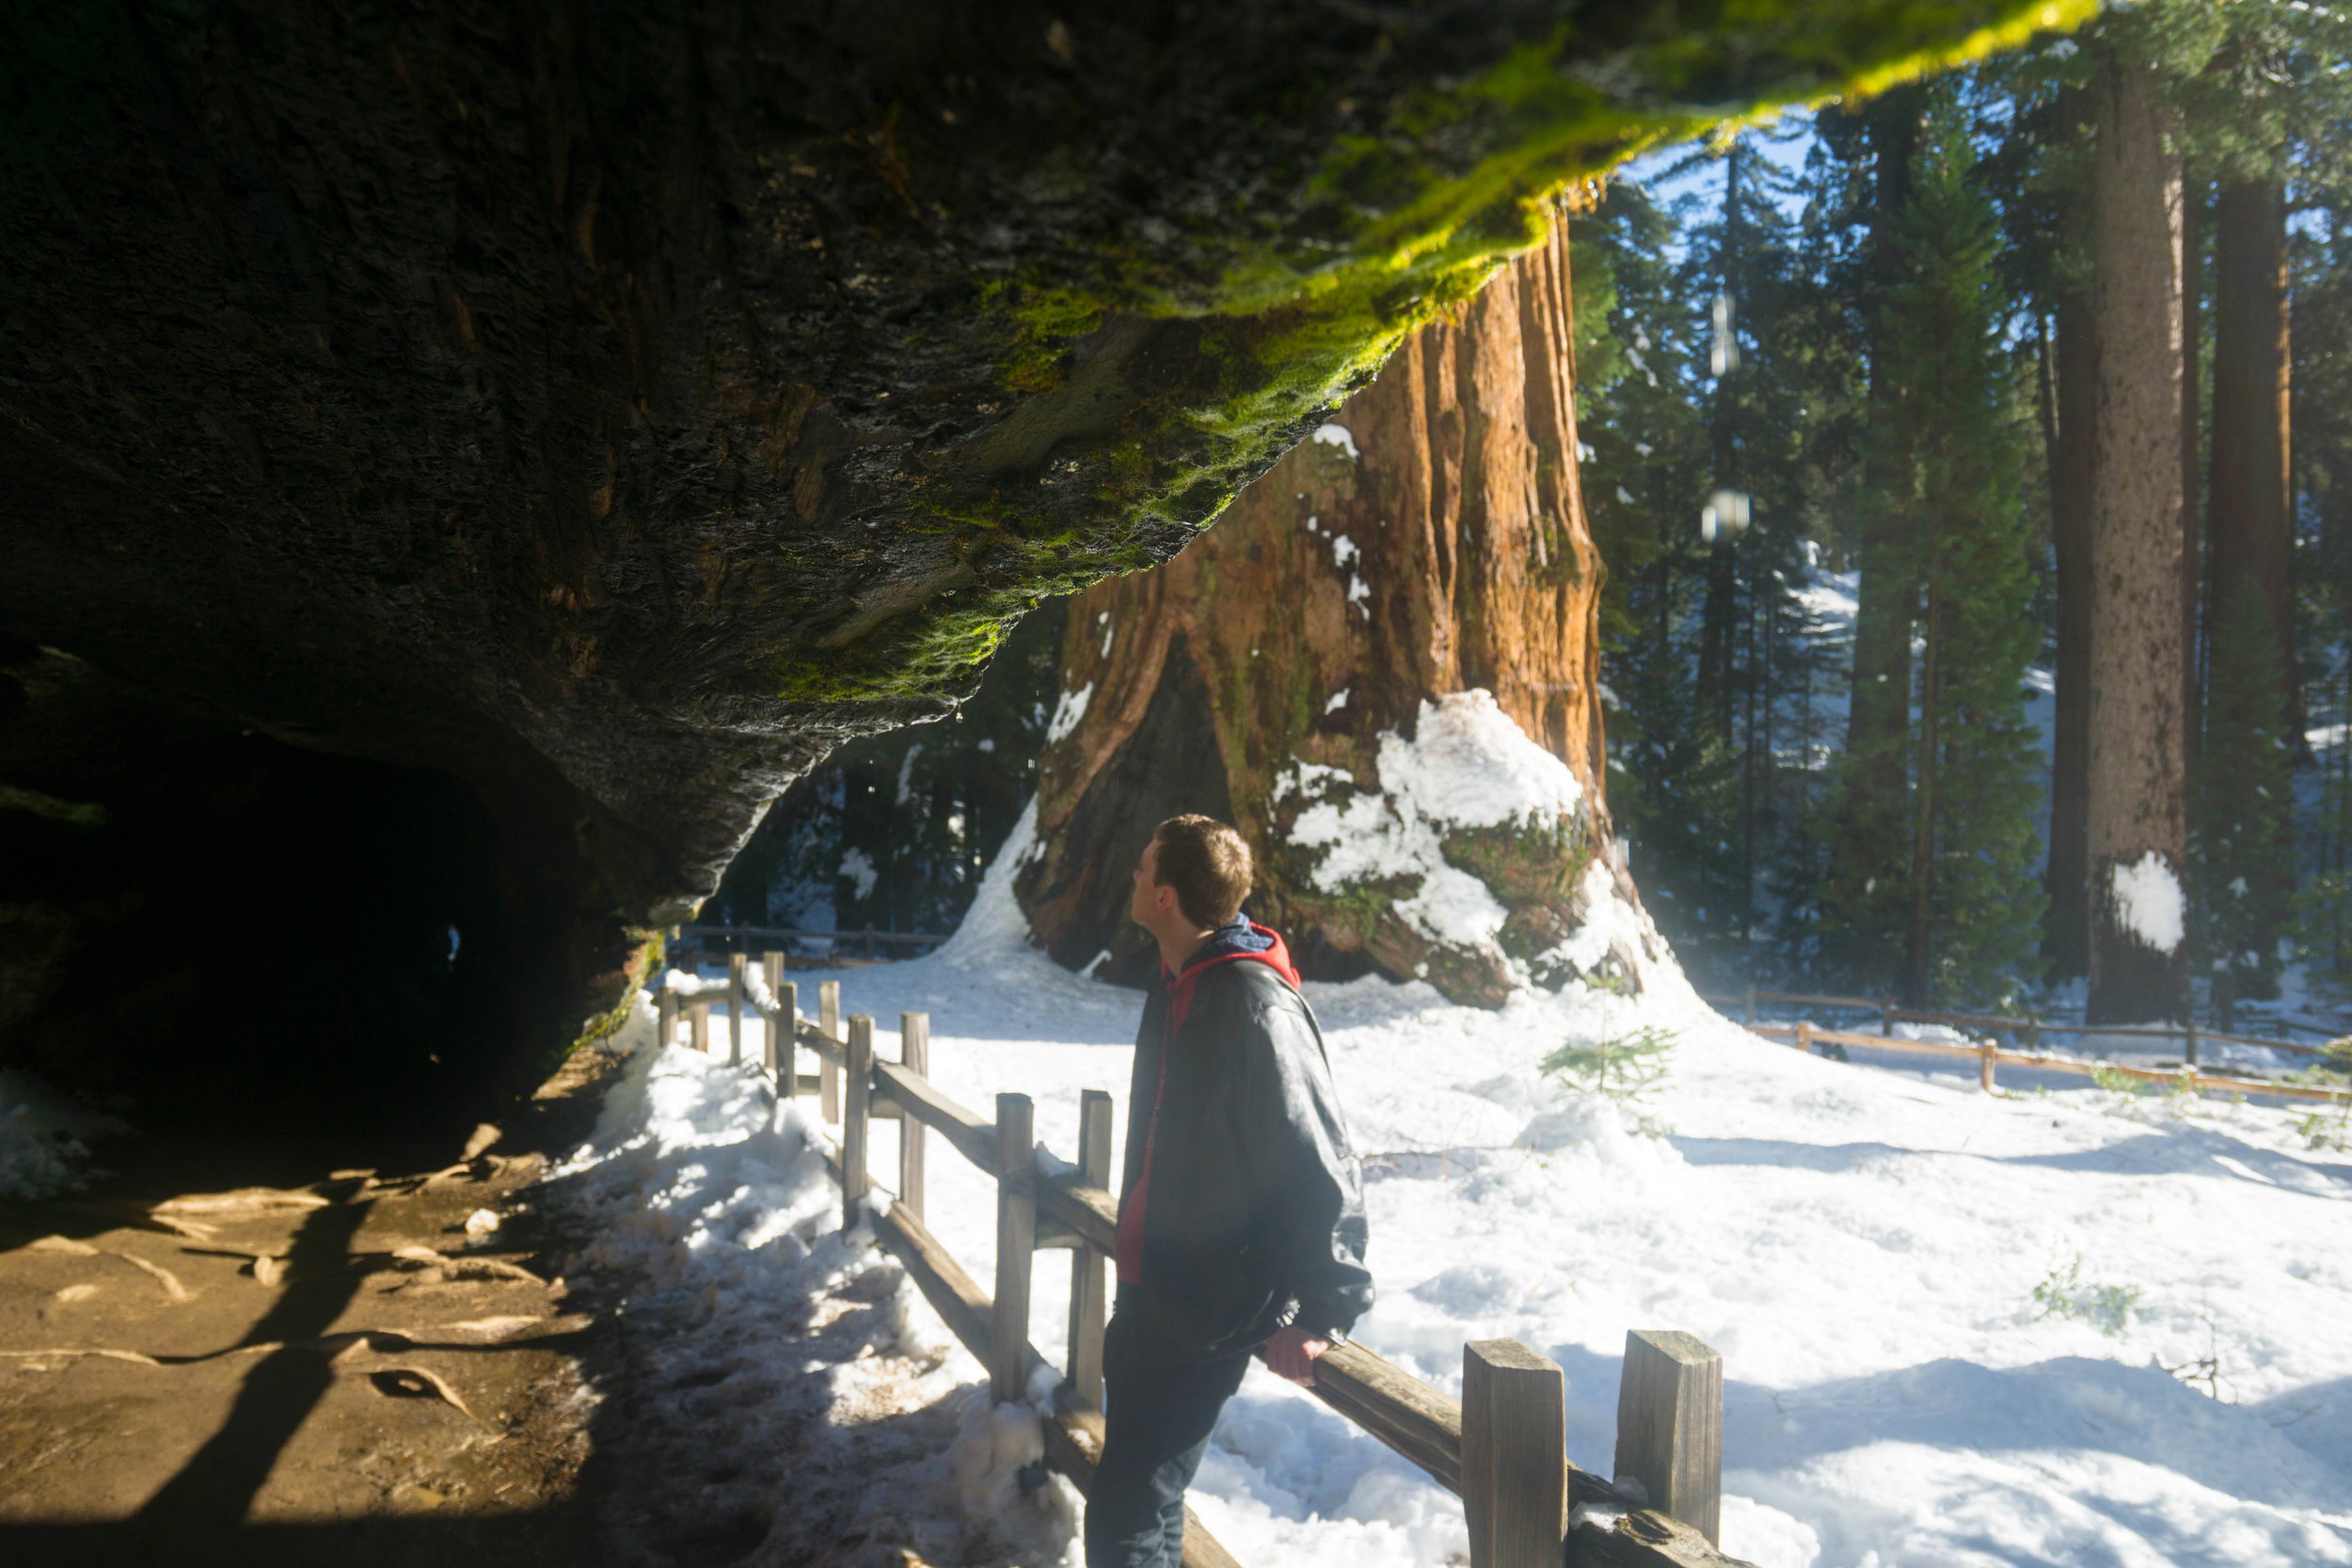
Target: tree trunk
<point>2137,817</point>
<point>2252,531</point>
<point>1430,541</point>
<point>2073,484</point>
<point>2192,286</point>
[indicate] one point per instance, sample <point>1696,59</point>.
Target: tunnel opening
<point>205,927</point>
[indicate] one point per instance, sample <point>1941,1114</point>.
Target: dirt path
<point>264,1355</point>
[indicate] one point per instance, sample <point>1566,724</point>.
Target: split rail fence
<point>1987,1054</point>
<point>1501,1447</point>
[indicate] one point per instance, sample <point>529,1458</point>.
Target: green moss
<point>645,960</point>
<point>1039,321</point>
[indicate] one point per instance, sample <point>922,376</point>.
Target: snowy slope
<point>1862,1245</point>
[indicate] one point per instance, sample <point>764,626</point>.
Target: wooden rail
<point>2030,1028</point>
<point>1987,1055</point>
<point>1501,1447</point>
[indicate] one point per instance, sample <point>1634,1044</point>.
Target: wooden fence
<point>2028,1028</point>
<point>1806,1035</point>
<point>1501,1447</point>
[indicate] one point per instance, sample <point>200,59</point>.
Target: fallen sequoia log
<point>546,430</point>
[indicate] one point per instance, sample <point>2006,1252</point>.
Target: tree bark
<point>2252,530</point>
<point>2136,819</point>
<point>2192,285</point>
<point>2073,484</point>
<point>1431,541</point>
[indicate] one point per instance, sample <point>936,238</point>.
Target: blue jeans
<point>1159,1410</point>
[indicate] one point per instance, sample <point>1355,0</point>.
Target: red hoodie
<point>1222,949</point>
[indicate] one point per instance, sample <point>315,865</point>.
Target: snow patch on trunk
<point>1072,708</point>
<point>1468,765</point>
<point>2148,901</point>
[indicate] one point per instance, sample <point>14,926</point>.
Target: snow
<point>1067,712</point>
<point>1337,701</point>
<point>2148,901</point>
<point>1468,765</point>
<point>1863,1242</point>
<point>859,867</point>
<point>1337,435</point>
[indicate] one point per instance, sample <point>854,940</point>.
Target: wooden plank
<point>1515,1463</point>
<point>738,997</point>
<point>828,1025</point>
<point>700,1015</point>
<point>1016,1239</point>
<point>1089,1212</point>
<point>1088,1293</point>
<point>915,1054</point>
<point>1805,1033</point>
<point>973,1138</point>
<point>1670,1426</point>
<point>783,1036</point>
<point>856,1178</point>
<point>665,1015</point>
<point>954,1294</point>
<point>1603,1537</point>
<point>828,1050</point>
<point>1412,1418</point>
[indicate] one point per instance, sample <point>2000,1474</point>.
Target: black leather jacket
<point>1254,1219</point>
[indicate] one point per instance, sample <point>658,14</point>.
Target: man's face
<point>1146,902</point>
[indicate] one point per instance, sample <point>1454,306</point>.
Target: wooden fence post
<point>829,1076</point>
<point>1985,1049</point>
<point>856,1180</point>
<point>1087,1296</point>
<point>665,1012</point>
<point>1016,1243</point>
<point>915,1054</point>
<point>1886,1019</point>
<point>772,971</point>
<point>1804,1035</point>
<point>1670,1426</point>
<point>1750,1018</point>
<point>1515,1463</point>
<point>739,997</point>
<point>782,1034</point>
<point>2190,1058</point>
<point>699,1014</point>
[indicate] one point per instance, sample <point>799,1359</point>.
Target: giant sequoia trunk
<point>1309,668</point>
<point>2135,798</point>
<point>2253,536</point>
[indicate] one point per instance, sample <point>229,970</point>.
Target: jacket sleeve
<point>1310,1190</point>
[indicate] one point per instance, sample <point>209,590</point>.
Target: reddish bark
<point>1450,551</point>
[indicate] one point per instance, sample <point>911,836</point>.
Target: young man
<point>1241,1218</point>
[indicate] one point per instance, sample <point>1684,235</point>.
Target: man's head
<point>1192,877</point>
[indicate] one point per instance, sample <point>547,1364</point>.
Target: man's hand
<point>1292,1354</point>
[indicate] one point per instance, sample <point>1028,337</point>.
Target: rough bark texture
<point>2137,795</point>
<point>1449,552</point>
<point>2073,486</point>
<point>2252,531</point>
<point>613,405</point>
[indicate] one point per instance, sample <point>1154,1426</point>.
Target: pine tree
<point>2243,849</point>
<point>1945,451</point>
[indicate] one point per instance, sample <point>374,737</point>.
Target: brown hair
<point>1207,864</point>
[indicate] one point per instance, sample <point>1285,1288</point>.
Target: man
<point>1241,1218</point>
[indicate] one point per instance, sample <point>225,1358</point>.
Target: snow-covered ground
<point>2054,1326</point>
